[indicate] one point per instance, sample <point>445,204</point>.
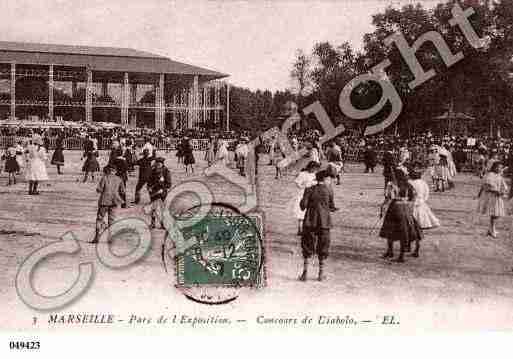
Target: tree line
<point>480,85</point>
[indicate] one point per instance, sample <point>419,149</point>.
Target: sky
<point>253,41</point>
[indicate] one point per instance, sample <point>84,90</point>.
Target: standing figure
<point>159,184</point>
<point>421,211</point>
<point>188,156</point>
<point>210,153</point>
<point>222,152</point>
<point>11,165</point>
<point>122,172</point>
<point>91,164</point>
<point>145,170</point>
<point>388,166</point>
<point>370,159</point>
<point>19,156</point>
<point>180,151</point>
<point>491,197</point>
<point>305,179</point>
<point>36,167</point>
<point>241,154</point>
<point>110,189</point>
<point>313,153</point>
<point>399,223</point>
<point>433,161</point>
<point>58,154</point>
<point>318,203</point>
<point>335,162</point>
<point>441,174</point>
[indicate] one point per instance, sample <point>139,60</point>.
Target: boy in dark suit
<point>318,203</point>
<point>159,184</point>
<point>111,189</point>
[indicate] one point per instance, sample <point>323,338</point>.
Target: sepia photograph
<point>309,167</point>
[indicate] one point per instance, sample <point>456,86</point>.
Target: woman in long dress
<point>58,154</point>
<point>188,156</point>
<point>91,164</point>
<point>305,179</point>
<point>399,223</point>
<point>36,167</point>
<point>491,197</point>
<point>19,156</point>
<point>222,152</point>
<point>421,211</point>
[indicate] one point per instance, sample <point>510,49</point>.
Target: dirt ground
<point>462,280</point>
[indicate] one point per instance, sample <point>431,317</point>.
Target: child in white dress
<point>421,211</point>
<point>491,197</point>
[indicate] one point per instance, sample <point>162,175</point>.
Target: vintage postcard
<point>304,166</point>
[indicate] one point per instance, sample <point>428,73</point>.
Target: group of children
<point>441,168</point>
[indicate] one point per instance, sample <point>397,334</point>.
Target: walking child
<point>110,188</point>
<point>491,197</point>
<point>159,185</point>
<point>11,165</point>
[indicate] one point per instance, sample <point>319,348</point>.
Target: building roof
<point>99,59</point>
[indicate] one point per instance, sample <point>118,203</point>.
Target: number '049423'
<point>24,345</point>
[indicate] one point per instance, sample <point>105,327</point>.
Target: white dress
<point>490,202</point>
<point>421,211</point>
<point>303,180</point>
<point>36,167</point>
<point>222,153</point>
<point>19,156</point>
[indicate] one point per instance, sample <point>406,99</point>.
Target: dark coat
<point>145,168</point>
<point>58,154</point>
<point>159,180</point>
<point>318,202</point>
<point>370,158</point>
<point>388,164</point>
<point>121,168</point>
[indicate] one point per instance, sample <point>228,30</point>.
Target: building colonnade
<point>189,104</point>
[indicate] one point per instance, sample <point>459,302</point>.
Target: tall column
<point>133,93</point>
<point>216,103</point>
<point>73,88</point>
<point>133,100</point>
<point>190,106</point>
<point>105,89</point>
<point>13,90</point>
<point>195,94</point>
<point>125,99</point>
<point>227,106</point>
<point>206,103</point>
<point>50,93</point>
<point>160,106</point>
<point>89,96</point>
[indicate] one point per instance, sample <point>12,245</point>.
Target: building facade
<point>125,86</point>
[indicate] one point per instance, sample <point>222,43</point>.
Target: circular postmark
<point>214,258</point>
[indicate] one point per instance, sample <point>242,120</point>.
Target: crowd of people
<point>406,163</point>
<point>404,214</point>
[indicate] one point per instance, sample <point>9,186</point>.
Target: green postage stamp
<point>228,251</point>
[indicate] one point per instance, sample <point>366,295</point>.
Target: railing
<point>77,143</point>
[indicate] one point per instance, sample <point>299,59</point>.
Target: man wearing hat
<point>145,170</point>
<point>159,183</point>
<point>111,189</point>
<point>121,165</point>
<point>318,203</point>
